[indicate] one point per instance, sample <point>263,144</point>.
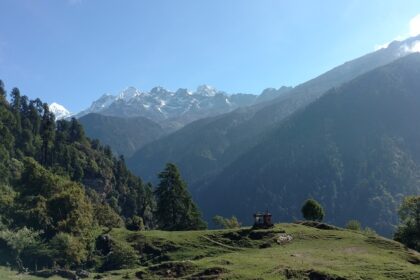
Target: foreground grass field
<point>287,251</point>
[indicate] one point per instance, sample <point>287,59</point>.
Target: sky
<point>73,51</point>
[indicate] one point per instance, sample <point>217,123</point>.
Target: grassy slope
<point>237,254</point>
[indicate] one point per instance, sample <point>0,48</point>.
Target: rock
<point>284,238</point>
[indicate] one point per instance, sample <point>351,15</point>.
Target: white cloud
<point>414,30</point>
<point>413,47</point>
<point>415,25</point>
<point>381,46</point>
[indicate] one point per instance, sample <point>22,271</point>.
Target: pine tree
<point>2,92</point>
<point>47,135</point>
<point>175,208</point>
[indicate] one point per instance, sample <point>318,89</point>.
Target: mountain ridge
<point>345,149</point>
<point>219,140</point>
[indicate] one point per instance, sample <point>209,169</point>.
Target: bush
<point>121,255</point>
<point>135,223</point>
<point>354,225</point>
<point>369,231</point>
<point>226,222</point>
<point>106,216</point>
<point>68,250</point>
<point>312,210</point>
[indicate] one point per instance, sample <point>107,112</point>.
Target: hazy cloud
<point>413,30</point>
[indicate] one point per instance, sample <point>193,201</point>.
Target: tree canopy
<point>312,210</point>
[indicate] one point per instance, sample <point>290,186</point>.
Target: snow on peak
<point>129,93</point>
<point>59,111</point>
<point>206,90</point>
<point>160,104</point>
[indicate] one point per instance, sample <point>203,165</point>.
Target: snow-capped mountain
<point>162,105</point>
<point>59,111</point>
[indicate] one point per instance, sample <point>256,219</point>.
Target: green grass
<point>245,254</point>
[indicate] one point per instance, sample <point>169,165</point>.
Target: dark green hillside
<point>58,188</point>
<point>203,148</point>
<point>356,150</point>
<point>123,135</point>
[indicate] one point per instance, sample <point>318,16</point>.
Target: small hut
<point>262,220</point>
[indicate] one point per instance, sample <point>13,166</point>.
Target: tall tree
<point>408,231</point>
<point>175,207</point>
<point>47,135</point>
<point>2,92</point>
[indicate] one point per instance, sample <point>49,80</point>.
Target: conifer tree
<point>175,208</point>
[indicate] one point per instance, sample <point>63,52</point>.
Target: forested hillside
<point>356,150</point>
<point>123,135</point>
<point>57,186</point>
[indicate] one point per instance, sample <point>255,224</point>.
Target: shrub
<point>226,222</point>
<point>354,225</point>
<point>122,255</point>
<point>312,210</point>
<point>135,223</point>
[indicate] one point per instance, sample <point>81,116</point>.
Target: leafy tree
<point>175,208</point>
<point>20,240</point>
<point>312,210</point>
<point>106,216</point>
<point>68,249</point>
<point>51,203</point>
<point>226,222</point>
<point>354,225</point>
<point>408,232</point>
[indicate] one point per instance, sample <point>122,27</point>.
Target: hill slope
<point>204,148</point>
<point>355,150</point>
<point>288,251</point>
<point>123,135</point>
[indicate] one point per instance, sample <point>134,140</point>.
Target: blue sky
<point>73,51</point>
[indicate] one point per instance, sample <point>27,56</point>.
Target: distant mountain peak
<point>160,104</point>
<point>59,111</point>
<point>206,90</point>
<point>129,93</point>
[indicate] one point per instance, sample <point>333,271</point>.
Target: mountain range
<point>203,148</point>
<point>272,149</point>
<point>170,109</point>
<point>212,149</point>
<point>145,116</point>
